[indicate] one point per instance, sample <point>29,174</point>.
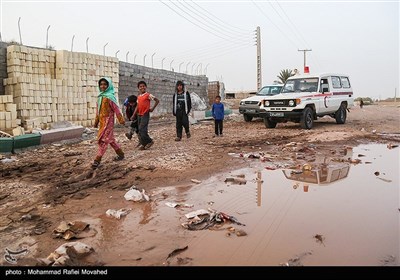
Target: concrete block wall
<point>49,86</point>
<point>160,83</point>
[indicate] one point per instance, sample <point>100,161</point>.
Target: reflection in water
<point>323,173</point>
<point>259,183</point>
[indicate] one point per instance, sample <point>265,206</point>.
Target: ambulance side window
<point>324,86</point>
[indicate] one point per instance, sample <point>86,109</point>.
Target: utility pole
<point>258,42</point>
<point>304,51</point>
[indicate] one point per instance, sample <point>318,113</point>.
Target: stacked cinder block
<point>160,82</point>
<point>49,86</point>
<point>8,114</point>
<point>81,71</point>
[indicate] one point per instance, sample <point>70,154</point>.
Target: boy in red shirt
<point>142,111</point>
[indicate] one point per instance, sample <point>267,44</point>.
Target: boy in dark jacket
<point>130,105</point>
<point>218,115</point>
<point>182,104</point>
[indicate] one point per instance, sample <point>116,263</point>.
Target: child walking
<point>130,105</point>
<point>143,111</point>
<point>218,115</point>
<point>181,106</point>
<point>107,107</point>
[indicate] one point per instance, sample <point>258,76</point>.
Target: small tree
<point>284,75</point>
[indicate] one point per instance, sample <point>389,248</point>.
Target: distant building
<point>239,94</point>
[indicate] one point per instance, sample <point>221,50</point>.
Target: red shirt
<point>143,101</point>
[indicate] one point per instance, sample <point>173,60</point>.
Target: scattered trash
<point>197,213</point>
<point>12,256</point>
<point>391,146</point>
<point>373,131</point>
<point>118,213</point>
<point>204,219</point>
<point>385,180</point>
<point>176,252</point>
<point>241,232</point>
<point>135,195</point>
<point>270,168</point>
<point>296,261</point>
<point>376,173</point>
<point>355,161</point>
<point>361,155</point>
<point>363,129</point>
<point>367,162</point>
<point>7,160</point>
<point>236,180</point>
<point>76,229</point>
<point>254,156</point>
<point>319,238</point>
<point>178,205</point>
<point>67,254</point>
<point>195,181</point>
<point>26,217</point>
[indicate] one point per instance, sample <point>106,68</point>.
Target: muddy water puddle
<point>328,213</point>
<point>325,212</point>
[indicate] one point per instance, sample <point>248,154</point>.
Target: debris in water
<point>355,161</point>
<point>241,232</point>
<point>118,213</point>
<point>178,205</point>
<point>236,180</point>
<point>270,168</point>
<point>320,238</point>
<point>391,146</point>
<point>389,260</point>
<point>176,252</point>
<point>376,173</point>
<point>385,180</point>
<point>296,261</point>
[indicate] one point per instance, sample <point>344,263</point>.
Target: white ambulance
<point>306,97</point>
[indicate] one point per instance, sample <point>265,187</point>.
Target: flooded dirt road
<point>328,196</point>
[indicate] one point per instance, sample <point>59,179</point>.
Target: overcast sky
<point>357,38</point>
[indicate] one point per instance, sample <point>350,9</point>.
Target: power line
<point>284,21</point>
<point>298,32</point>
<point>213,50</point>
<point>222,52</point>
<point>226,37</point>
<point>211,17</point>
<point>315,56</point>
<point>277,27</point>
